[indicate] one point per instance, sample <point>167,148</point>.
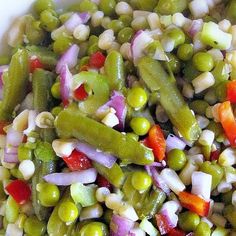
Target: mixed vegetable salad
<point>118,118</point>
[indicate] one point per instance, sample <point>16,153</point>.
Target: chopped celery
<point>148,227</point>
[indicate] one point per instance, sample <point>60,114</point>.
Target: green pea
<point>94,229</point>
<point>116,25</point>
<point>48,195</point>
<point>203,229</point>
<point>174,63</point>
<point>41,5</point>
<point>49,20</point>
<point>93,39</point>
<point>126,19</point>
<point>203,61</point>
<point>199,106</point>
<point>137,97</point>
<point>12,210</point>
<point>147,5</point>
<point>139,23</point>
<point>24,153</point>
<point>177,35</point>
<point>185,52</point>
<point>176,159</point>
<point>226,197</point>
<point>55,90</point>
<point>141,180</point>
<point>56,110</point>
<point>107,6</point>
<point>188,221</point>
<point>62,44</point>
<point>215,127</point>
<point>93,48</point>
<point>169,7</point>
<point>68,211</point>
<point>221,91</point>
<point>87,6</point>
<point>140,125</point>
<point>34,227</point>
<point>16,173</point>
<point>125,35</point>
<point>132,136</point>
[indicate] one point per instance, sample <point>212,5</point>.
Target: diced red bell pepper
<point>103,182</point>
<point>80,93</point>
<point>194,203</point>
<point>97,60</point>
<point>215,155</point>
<point>34,64</point>
<point>19,190</point>
<point>2,125</point>
<point>228,122</point>
<point>77,161</point>
<point>156,141</point>
<point>162,224</point>
<point>176,232</point>
<point>231,91</point>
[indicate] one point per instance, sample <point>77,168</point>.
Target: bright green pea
<point>93,39</point>
<point>169,7</point>
<point>185,52</point>
<point>176,159</point>
<point>48,195</point>
<point>141,180</point>
<point>62,44</point>
<point>140,23</point>
<point>137,97</point>
<point>107,6</point>
<point>41,5</point>
<point>174,63</point>
<point>34,227</point>
<point>188,221</point>
<point>203,61</point>
<point>68,212</point>
<point>49,20</point>
<point>140,125</point>
<point>94,229</point>
<point>125,35</point>
<point>87,6</point>
<point>146,5</point>
<point>126,19</point>
<point>116,25</point>
<point>12,210</point>
<point>203,229</point>
<point>93,48</point>
<point>24,153</point>
<point>177,35</point>
<point>56,110</point>
<point>199,106</point>
<point>55,90</point>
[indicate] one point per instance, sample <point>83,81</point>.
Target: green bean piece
<point>126,19</point>
<point>199,106</point>
<point>94,228</point>
<point>34,227</point>
<point>230,214</point>
<point>5,223</point>
<point>216,128</point>
<point>169,7</point>
<point>147,5</point>
<point>3,195</point>
<point>190,72</point>
<point>158,80</point>
<point>213,169</point>
<point>107,7</point>
<point>44,152</point>
<point>41,5</point>
<point>221,91</point>
<point>231,11</point>
<point>62,43</point>
<point>116,25</point>
<point>174,63</point>
<point>132,136</point>
<point>12,210</point>
<point>111,141</point>
<point>188,221</point>
<point>47,57</point>
<point>226,198</point>
<point>114,175</point>
<point>203,61</point>
<point>87,6</point>
<point>203,229</point>
<point>115,70</point>
<point>125,35</point>
<point>4,60</point>
<point>24,153</point>
<point>34,33</point>
<point>185,52</point>
<point>176,159</point>
<point>49,20</point>
<point>220,72</point>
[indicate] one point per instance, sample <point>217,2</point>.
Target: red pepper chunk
<point>103,182</point>
<point>228,122</point>
<point>80,93</point>
<point>3,124</point>
<point>156,141</point>
<point>19,190</point>
<point>34,64</point>
<point>215,155</point>
<point>97,60</point>
<point>162,223</point>
<point>231,91</point>
<point>77,161</point>
<point>176,232</point>
<point>194,203</point>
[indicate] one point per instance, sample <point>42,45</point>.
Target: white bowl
<point>11,9</point>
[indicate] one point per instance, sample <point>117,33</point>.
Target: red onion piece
<point>173,142</point>
<point>102,158</point>
<point>195,27</point>
<point>116,102</point>
<point>120,226</point>
<point>84,16</point>
<point>14,138</point>
<point>65,84</point>
<point>69,58</point>
<point>139,42</point>
<point>10,155</point>
<point>65,179</point>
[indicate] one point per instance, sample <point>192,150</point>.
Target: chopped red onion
<point>116,102</point>
<point>65,84</point>
<point>102,158</point>
<point>195,27</point>
<point>75,20</point>
<point>139,42</point>
<point>10,155</point>
<point>14,138</point>
<point>120,226</point>
<point>69,58</point>
<point>65,179</point>
<point>173,142</point>
<point>31,122</point>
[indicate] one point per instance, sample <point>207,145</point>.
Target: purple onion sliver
<point>10,157</point>
<point>73,22</point>
<point>173,142</point>
<point>14,138</point>
<point>64,179</point>
<point>102,158</point>
<point>84,16</point>
<point>3,68</point>
<point>195,27</point>
<point>69,58</point>
<point>11,150</point>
